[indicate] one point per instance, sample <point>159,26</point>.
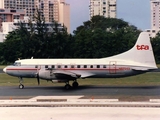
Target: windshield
<point>17,64</point>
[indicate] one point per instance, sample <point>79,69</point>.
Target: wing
<point>71,75</point>
<point>61,74</point>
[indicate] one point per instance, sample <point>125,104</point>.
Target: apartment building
<point>155,18</point>
<point>105,8</point>
<point>62,13</point>
<point>8,15</point>
<point>155,14</point>
<point>52,10</point>
<point>10,26</point>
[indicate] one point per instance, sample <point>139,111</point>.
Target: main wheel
<point>67,86</point>
<point>21,86</point>
<point>75,84</point>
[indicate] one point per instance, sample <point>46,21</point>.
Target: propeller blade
<point>38,79</point>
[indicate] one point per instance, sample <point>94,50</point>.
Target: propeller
<point>38,79</point>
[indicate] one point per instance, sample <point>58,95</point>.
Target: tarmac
<point>74,101</point>
<point>76,108</point>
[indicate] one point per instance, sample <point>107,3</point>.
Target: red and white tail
<point>142,52</point>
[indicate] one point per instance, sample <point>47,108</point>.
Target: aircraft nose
<point>4,70</point>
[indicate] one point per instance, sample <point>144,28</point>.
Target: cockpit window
<point>17,64</point>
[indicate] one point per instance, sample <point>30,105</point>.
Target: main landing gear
<point>74,85</point>
<point>21,86</point>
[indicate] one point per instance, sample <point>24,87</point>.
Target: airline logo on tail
<point>142,47</point>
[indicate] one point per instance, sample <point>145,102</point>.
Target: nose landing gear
<point>21,86</point>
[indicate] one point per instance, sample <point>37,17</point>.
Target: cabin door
<point>112,67</point>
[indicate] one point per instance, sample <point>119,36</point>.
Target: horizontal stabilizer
<point>140,69</point>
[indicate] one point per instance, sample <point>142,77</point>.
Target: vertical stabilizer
<point>142,52</point>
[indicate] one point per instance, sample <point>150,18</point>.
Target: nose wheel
<point>21,86</point>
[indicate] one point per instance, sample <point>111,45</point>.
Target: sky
<point>135,12</point>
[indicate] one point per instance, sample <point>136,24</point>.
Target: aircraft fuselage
<point>93,71</point>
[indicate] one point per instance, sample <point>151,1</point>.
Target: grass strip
<point>147,79</point>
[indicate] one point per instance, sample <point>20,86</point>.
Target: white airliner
<point>138,60</point>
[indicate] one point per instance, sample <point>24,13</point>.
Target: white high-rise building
<point>155,18</point>
<point>106,8</point>
<point>62,13</point>
<point>155,14</point>
<point>1,3</point>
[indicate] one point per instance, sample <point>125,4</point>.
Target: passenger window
<point>91,66</point>
<point>98,66</point>
<point>72,66</point>
<point>52,66</point>
<point>59,66</point>
<point>65,66</point>
<point>104,66</point>
<point>85,66</point>
<point>36,66</point>
<point>46,66</point>
<point>78,66</point>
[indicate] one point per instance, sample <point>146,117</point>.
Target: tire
<point>21,86</point>
<point>67,86</point>
<point>75,84</point>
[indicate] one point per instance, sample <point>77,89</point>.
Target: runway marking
<point>56,97</point>
<point>154,100</point>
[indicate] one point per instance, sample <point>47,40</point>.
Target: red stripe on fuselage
<point>67,69</point>
<point>20,69</point>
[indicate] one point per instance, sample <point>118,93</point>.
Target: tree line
<point>96,38</point>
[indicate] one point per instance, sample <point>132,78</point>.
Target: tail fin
<point>142,52</point>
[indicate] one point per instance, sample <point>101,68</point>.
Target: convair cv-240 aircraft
<point>138,60</point>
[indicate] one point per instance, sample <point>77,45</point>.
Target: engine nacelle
<point>59,81</point>
<point>46,74</point>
